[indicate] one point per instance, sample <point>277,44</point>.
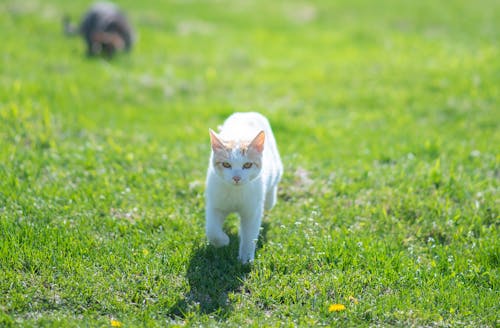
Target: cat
<point>105,29</point>
<point>243,175</point>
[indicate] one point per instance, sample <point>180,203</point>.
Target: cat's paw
<point>246,258</point>
<point>219,240</point>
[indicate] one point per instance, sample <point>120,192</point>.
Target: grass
<point>387,118</point>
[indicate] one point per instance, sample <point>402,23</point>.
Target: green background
<point>386,114</point>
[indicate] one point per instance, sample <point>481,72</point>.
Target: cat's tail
<point>69,28</point>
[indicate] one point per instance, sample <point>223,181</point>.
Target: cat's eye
<point>226,165</point>
<point>247,165</point>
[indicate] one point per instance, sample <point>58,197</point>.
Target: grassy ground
<point>387,118</point>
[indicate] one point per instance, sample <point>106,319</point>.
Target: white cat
<point>243,175</point>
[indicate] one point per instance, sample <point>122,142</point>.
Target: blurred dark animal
<point>105,29</point>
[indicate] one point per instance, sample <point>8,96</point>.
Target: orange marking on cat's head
<point>227,146</point>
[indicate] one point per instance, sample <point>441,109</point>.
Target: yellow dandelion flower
<point>116,323</point>
<point>336,308</point>
<point>353,299</point>
<point>145,252</point>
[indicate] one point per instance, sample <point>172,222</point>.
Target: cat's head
<point>107,43</point>
<point>237,162</point>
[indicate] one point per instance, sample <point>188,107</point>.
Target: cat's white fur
<point>244,138</point>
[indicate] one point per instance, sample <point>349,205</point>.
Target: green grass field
<point>387,118</point>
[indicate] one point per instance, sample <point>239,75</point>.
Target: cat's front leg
<point>249,234</point>
<point>213,226</point>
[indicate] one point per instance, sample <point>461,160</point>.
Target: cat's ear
<point>217,145</point>
<point>257,143</point>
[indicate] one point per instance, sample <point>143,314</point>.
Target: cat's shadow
<point>213,275</point>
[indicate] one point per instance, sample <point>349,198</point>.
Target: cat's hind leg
<point>271,195</point>
<point>214,221</point>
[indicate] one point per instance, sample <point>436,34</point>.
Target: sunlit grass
<point>386,116</point>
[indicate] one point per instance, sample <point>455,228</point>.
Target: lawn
<point>386,114</point>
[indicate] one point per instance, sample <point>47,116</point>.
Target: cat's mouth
<point>238,183</point>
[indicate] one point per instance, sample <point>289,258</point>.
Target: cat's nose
<point>236,179</point>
